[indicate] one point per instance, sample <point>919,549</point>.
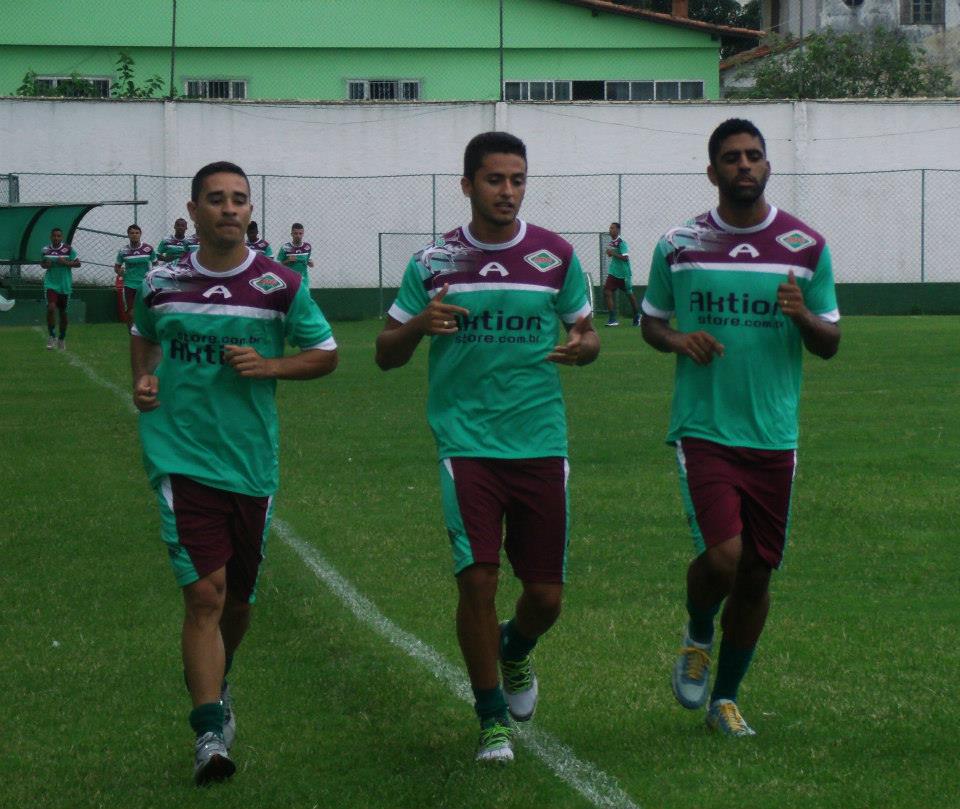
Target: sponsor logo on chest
<point>268,282</point>
<point>543,260</point>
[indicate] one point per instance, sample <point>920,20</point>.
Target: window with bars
<point>101,86</point>
<point>537,90</point>
<point>215,88</point>
<point>922,12</point>
<point>383,90</point>
<point>653,90</point>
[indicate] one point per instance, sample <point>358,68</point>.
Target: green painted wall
<point>311,49</point>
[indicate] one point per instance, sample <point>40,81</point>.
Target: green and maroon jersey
<point>213,425</point>
<point>135,262</point>
<point>58,277</point>
<point>720,279</point>
<point>492,392</point>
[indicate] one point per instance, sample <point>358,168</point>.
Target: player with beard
<point>750,287</point>
<point>490,296</point>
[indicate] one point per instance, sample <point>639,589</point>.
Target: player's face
<point>741,170</point>
<point>180,228</point>
<point>614,231</point>
<point>134,235</point>
<point>223,211</point>
<point>56,238</point>
<point>496,190</point>
<point>297,235</point>
<point>252,233</point>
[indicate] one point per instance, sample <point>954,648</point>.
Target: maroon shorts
<point>57,299</point>
<point>527,495</point>
<point>207,528</point>
<point>129,296</point>
<point>613,284</point>
<point>730,491</point>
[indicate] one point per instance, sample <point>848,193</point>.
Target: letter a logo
<point>219,289</point>
<point>742,248</point>
<point>494,266</point>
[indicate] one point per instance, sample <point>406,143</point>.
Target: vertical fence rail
<point>135,198</point>
<point>923,221</point>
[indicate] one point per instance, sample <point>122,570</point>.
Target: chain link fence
<point>882,227</point>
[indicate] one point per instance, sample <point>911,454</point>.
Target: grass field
<point>852,691</point>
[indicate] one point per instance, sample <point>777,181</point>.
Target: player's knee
<point>478,585</point>
<point>204,599</point>
<point>545,599</point>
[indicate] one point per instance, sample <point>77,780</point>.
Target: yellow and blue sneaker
<point>691,673</point>
<point>724,717</point>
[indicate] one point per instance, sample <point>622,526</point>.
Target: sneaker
<point>62,344</point>
<point>212,762</point>
<point>496,746</point>
<point>229,717</point>
<point>51,342</point>
<point>691,673</point>
<point>612,323</point>
<point>724,717</point>
<point>519,686</point>
<point>636,320</point>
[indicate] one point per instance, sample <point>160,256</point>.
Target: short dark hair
<point>296,225</point>
<point>732,126</point>
<point>490,143</point>
<point>180,219</point>
<point>617,224</point>
<point>134,226</point>
<point>219,167</point>
<point>56,230</point>
<point>253,224</point>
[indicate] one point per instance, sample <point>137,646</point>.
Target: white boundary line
<point>595,785</point>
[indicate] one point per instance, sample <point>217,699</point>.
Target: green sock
<point>513,645</point>
<point>207,718</point>
<point>490,704</point>
<point>732,666</point>
<point>50,329</point>
<point>700,627</point>
<point>613,314</point>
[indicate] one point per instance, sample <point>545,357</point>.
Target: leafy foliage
<point>126,86</point>
<point>73,87</point>
<point>878,63</point>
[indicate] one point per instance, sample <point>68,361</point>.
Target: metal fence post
<point>13,195</point>
<point>433,183</point>
<point>263,204</point>
<point>620,199</point>
<point>923,223</point>
<point>135,198</point>
<point>380,269</point>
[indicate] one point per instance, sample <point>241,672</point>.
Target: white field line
<point>595,785</point>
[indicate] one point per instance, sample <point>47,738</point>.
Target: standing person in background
<point>295,254</point>
<point>619,276</point>
<point>491,299</point>
<point>751,286</point>
<point>255,243</point>
<point>132,262</point>
<point>172,247</point>
<point>207,350</point>
<point>58,259</point>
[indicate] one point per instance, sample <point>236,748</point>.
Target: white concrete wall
<point>352,155</point>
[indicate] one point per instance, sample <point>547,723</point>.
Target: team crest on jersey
<point>543,260</point>
<point>268,282</point>
<point>796,240</point>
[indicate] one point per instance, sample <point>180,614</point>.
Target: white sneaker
<point>519,685</point>
<point>691,673</point>
<point>211,762</point>
<point>496,746</point>
<point>51,342</point>
<point>62,345</point>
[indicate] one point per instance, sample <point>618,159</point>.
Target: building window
<point>922,12</point>
<point>215,88</point>
<point>101,86</point>
<point>651,90</point>
<point>383,90</point>
<point>536,90</point>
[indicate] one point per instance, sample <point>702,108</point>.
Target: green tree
<point>878,63</point>
<point>73,87</point>
<point>716,12</point>
<point>126,86</point>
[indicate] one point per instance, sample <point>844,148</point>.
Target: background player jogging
<point>619,277</point>
<point>59,260</point>
<point>206,351</point>
<point>491,295</point>
<point>750,287</point>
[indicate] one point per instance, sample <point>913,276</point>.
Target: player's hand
<point>248,362</point>
<point>118,271</point>
<point>310,263</point>
<point>700,346</point>
<point>610,251</point>
<point>572,351</point>
<point>289,261</point>
<point>145,393</point>
<point>790,297</point>
<point>440,317</point>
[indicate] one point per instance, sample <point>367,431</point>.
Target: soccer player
<point>491,298</point>
<point>206,351</point>
<point>296,253</point>
<point>132,262</point>
<point>255,243</point>
<point>58,259</point>
<point>172,247</point>
<point>750,286</point>
<point>618,277</point>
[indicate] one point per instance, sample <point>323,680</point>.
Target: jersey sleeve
<point>73,254</point>
<point>820,296</point>
<point>282,255</point>
<point>144,321</point>
<point>658,300</point>
<point>268,251</point>
<point>305,325</point>
<point>624,250</point>
<point>119,258</point>
<point>412,297</point>
<point>572,302</point>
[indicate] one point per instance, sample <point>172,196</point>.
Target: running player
<point>491,297</point>
<point>255,243</point>
<point>174,246</point>
<point>206,351</point>
<point>750,287</point>
<point>132,262</point>
<point>295,254</point>
<point>619,276</point>
<point>58,259</point>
